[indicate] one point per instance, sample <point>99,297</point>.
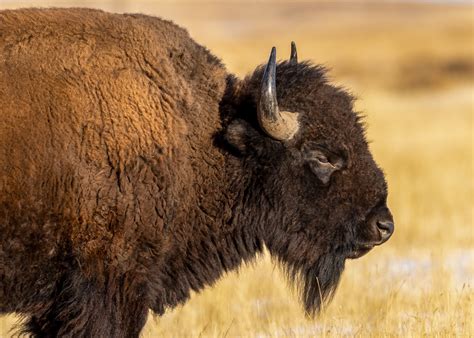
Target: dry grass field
<point>412,67</point>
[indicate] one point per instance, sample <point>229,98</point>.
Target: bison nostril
<point>385,229</point>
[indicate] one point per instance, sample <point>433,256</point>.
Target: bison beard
<point>316,283</point>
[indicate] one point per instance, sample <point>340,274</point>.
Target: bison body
<point>134,169</point>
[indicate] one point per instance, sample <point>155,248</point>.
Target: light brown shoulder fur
<point>105,122</point>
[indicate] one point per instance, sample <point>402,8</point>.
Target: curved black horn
<point>279,125</point>
<point>294,54</point>
<point>268,100</point>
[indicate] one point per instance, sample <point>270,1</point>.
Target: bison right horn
<point>282,125</point>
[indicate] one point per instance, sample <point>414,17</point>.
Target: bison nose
<point>385,229</point>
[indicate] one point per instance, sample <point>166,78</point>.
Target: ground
<point>412,68</point>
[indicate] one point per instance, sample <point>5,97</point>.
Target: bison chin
<point>316,283</point>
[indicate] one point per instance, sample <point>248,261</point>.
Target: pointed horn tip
<point>293,53</point>
<point>271,65</point>
<point>273,53</point>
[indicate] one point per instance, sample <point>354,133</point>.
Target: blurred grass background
<point>412,66</point>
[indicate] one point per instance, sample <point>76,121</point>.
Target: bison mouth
<point>359,251</point>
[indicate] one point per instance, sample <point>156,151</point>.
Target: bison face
<point>316,191</point>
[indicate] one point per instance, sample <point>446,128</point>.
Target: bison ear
<point>238,135</point>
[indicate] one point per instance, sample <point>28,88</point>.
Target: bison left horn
<point>281,125</point>
<point>293,54</point>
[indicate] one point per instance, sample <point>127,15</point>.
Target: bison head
<point>316,192</point>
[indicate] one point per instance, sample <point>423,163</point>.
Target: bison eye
<point>322,165</point>
<point>322,159</point>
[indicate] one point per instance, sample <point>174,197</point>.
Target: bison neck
<point>211,231</point>
<point>202,265</point>
<point>223,239</point>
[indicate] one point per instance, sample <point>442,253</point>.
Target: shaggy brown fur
<point>133,170</point>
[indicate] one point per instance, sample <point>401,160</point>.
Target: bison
<point>134,169</point>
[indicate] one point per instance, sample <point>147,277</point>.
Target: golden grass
<point>371,301</point>
<point>412,67</point>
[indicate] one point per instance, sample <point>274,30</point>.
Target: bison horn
<point>294,54</point>
<point>282,125</point>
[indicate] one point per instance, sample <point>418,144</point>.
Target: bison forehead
<point>325,111</point>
